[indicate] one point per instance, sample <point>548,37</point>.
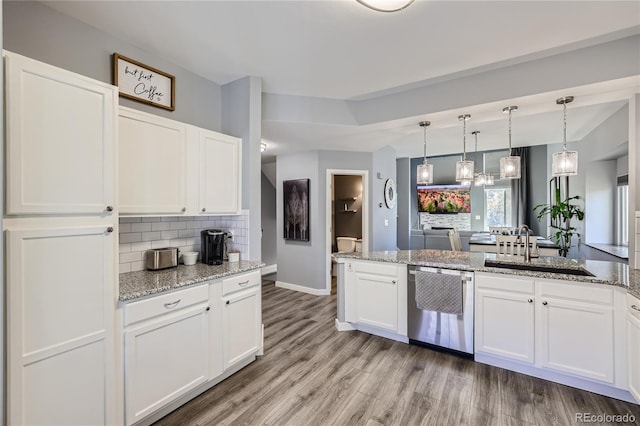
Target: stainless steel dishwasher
<point>450,325</point>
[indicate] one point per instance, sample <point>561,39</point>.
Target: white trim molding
<point>344,326</point>
<point>303,289</point>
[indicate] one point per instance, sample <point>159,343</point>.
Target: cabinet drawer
<point>164,303</point>
<point>602,295</point>
<point>504,283</point>
<point>633,305</point>
<point>240,282</point>
<point>377,268</point>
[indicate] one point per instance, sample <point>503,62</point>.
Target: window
<point>497,207</point>
<point>622,212</point>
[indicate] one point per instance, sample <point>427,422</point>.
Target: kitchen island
<point>563,320</point>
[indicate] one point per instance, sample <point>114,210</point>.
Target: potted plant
<point>561,213</point>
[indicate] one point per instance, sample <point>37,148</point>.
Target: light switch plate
<point>386,222</point>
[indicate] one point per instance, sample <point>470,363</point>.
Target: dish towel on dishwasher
<point>439,292</point>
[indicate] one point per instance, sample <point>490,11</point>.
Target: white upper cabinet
<point>152,155</point>
<point>168,167</point>
<point>60,140</point>
<point>220,177</point>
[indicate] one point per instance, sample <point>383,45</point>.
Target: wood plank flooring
<point>311,374</point>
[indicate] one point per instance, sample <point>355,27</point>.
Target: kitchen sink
<point>538,267</point>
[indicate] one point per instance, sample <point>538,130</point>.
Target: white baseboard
<point>270,269</point>
<point>344,326</point>
<point>303,289</point>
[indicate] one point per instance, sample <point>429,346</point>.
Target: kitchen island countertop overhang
<point>608,273</point>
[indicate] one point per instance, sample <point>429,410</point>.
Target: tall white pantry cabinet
<point>60,224</point>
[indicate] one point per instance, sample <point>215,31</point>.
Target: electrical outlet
<point>230,234</point>
<point>386,222</point>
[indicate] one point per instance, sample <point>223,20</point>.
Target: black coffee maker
<point>213,246</point>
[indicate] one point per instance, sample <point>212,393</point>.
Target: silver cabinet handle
<point>634,307</point>
<point>110,229</point>
<point>544,303</point>
<point>184,209</point>
<point>109,208</point>
<point>530,300</point>
<point>172,305</point>
<point>204,210</point>
<point>243,283</point>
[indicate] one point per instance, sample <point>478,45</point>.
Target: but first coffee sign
<point>143,83</point>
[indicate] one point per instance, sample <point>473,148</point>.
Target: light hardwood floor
<point>311,374</point>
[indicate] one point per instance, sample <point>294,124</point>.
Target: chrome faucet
<point>527,251</point>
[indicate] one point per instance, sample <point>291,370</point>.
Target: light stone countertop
<point>609,273</point>
<point>139,284</point>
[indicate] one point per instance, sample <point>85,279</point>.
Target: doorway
<point>347,213</point>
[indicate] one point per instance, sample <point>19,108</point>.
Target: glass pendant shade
<point>425,174</point>
<point>479,180</point>
<point>424,171</point>
<point>464,170</point>
<point>488,179</point>
<point>564,163</point>
<point>510,167</point>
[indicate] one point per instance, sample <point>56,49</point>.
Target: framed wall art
<point>143,83</point>
<point>295,196</point>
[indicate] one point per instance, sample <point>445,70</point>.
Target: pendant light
<point>564,163</point>
<point>464,168</point>
<point>482,178</point>
<point>386,5</point>
<point>510,166</point>
<point>424,175</point>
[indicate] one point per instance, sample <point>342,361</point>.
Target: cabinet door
<point>61,298</point>
<point>577,338</point>
<point>220,173</point>
<point>241,325</point>
<point>377,301</point>
<point>152,156</point>
<point>54,118</point>
<point>633,354</point>
<point>164,359</point>
<point>504,325</point>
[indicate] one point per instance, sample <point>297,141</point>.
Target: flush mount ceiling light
<point>482,178</point>
<point>564,163</point>
<point>263,147</point>
<point>386,5</point>
<point>510,166</point>
<point>464,168</point>
<point>424,172</point>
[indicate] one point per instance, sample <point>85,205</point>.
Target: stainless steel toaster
<point>161,258</point>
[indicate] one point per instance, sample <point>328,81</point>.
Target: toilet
<point>345,245</point>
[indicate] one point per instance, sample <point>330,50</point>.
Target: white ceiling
<point>342,50</point>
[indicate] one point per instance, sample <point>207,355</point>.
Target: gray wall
<point>268,222</point>
<point>32,29</point>
<point>383,220</point>
<point>242,117</point>
<point>402,206</point>
<point>346,223</point>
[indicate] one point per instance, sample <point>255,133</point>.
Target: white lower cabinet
<point>376,296</point>
<point>633,346</point>
<point>552,327</point>
<point>241,318</point>
<point>505,318</point>
<point>60,288</point>
<point>166,349</point>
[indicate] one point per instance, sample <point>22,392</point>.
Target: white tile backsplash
<point>139,234</point>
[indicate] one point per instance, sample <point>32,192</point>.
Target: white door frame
<point>365,215</point>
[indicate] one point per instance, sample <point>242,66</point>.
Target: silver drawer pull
<point>634,307</point>
<point>243,283</point>
<point>172,304</point>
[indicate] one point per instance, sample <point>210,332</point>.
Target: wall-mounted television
<point>443,199</point>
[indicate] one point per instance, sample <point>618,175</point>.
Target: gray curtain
<point>520,189</point>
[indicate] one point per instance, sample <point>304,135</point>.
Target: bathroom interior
<point>346,217</point>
